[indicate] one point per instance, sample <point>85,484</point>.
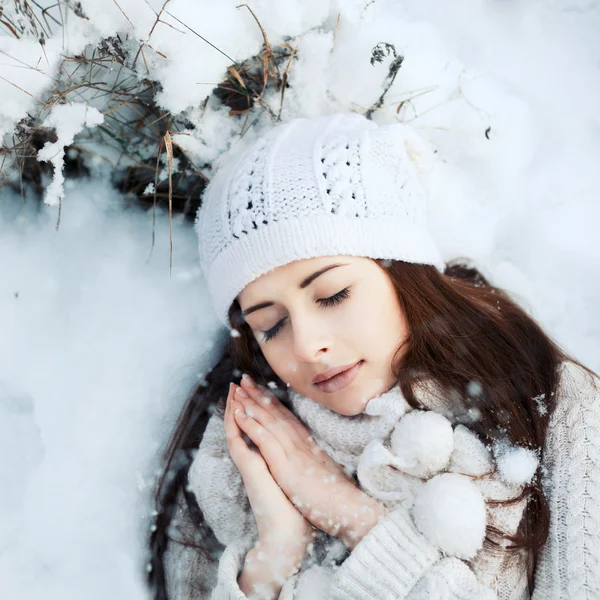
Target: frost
<point>540,402</point>
<point>474,389</point>
<point>68,120</point>
<point>473,414</point>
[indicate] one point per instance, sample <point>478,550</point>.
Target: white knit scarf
<point>344,438</point>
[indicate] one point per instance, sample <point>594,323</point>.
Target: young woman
<point>402,429</point>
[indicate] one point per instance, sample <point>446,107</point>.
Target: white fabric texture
<point>314,187</point>
<point>395,559</point>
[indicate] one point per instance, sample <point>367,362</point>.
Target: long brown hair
<point>484,351</point>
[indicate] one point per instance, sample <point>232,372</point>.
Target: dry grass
<point>136,136</point>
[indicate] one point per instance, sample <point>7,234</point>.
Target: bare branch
<point>202,38</point>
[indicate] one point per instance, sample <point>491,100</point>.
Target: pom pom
<point>517,466</point>
<point>470,456</point>
<point>379,475</point>
<point>450,511</point>
<point>423,441</point>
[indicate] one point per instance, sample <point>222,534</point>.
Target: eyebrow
<point>304,283</point>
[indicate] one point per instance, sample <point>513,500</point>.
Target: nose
<point>312,340</point>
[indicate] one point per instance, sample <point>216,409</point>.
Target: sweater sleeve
<point>394,561</point>
<point>230,566</point>
<point>568,565</point>
<point>450,578</point>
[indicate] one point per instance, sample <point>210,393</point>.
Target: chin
<point>352,411</point>
<point>348,407</point>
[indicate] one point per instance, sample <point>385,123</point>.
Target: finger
<point>268,444</point>
<point>278,426</point>
<point>238,448</point>
<point>227,402</point>
<point>271,406</point>
<point>256,392</point>
<point>233,434</point>
<point>231,428</point>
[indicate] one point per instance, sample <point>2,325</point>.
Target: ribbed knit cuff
<point>230,566</point>
<point>457,581</point>
<point>386,563</point>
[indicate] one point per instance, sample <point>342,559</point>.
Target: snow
<point>101,348</point>
<point>25,73</point>
<point>67,120</point>
<point>101,344</point>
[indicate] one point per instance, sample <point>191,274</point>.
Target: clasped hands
<point>287,466</point>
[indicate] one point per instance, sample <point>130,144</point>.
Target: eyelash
<point>325,302</point>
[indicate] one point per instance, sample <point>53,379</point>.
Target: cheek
<point>280,359</point>
<point>376,320</point>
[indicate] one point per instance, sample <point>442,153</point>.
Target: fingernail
<point>241,393</point>
<point>240,413</point>
<point>248,379</point>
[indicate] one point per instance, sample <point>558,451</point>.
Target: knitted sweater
<point>396,559</point>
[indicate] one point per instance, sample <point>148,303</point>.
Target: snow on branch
<point>68,120</point>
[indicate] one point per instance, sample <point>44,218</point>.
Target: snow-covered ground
<point>101,343</point>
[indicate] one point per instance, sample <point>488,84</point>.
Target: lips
<point>342,377</point>
<point>332,373</point>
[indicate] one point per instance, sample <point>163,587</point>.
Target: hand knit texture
<point>395,559</point>
<point>336,184</point>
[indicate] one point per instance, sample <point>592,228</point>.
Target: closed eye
<point>325,302</point>
<point>336,298</point>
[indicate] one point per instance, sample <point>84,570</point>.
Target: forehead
<point>292,274</point>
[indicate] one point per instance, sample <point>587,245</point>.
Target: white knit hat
<point>314,187</point>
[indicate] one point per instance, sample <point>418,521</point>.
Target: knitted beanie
<point>322,186</point>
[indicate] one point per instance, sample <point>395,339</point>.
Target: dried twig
<point>158,20</point>
<point>377,55</point>
<point>20,88</point>
<point>268,56</point>
<point>124,14</point>
<point>169,148</point>
<point>202,38</point>
<point>284,79</point>
<point>9,27</point>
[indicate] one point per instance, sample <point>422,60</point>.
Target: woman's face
<point>317,315</point>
